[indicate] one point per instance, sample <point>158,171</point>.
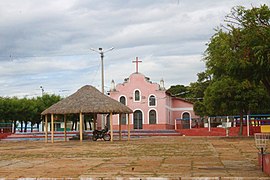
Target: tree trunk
<point>31,127</point>
<point>38,126</point>
<point>21,126</point>
<point>76,125</point>
<point>25,126</point>
<point>90,125</point>
<point>14,128</point>
<point>241,124</point>
<point>72,126</point>
<point>85,124</point>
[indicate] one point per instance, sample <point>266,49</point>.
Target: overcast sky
<point>47,43</point>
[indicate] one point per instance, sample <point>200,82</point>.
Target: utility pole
<point>42,90</point>
<point>101,52</point>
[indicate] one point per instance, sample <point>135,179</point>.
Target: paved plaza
<point>140,158</point>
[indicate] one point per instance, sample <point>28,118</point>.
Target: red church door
<point>137,119</point>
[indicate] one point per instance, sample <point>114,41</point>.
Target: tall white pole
<point>102,70</point>
<point>102,83</point>
<point>42,90</point>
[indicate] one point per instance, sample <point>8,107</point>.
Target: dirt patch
<point>168,157</point>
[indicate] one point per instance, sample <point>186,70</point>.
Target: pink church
<point>153,108</point>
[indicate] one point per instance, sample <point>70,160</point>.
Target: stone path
<point>155,157</point>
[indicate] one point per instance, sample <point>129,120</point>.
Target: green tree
<point>238,61</point>
<point>197,90</point>
<point>242,50</point>
<point>25,110</point>
<point>193,93</point>
<point>6,109</point>
<point>178,91</point>
<point>42,103</point>
<point>228,96</point>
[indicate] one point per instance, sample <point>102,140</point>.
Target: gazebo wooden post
<point>81,127</point>
<point>111,126</point>
<point>128,127</point>
<point>46,128</point>
<point>65,126</point>
<point>52,129</point>
<point>120,128</point>
<point>95,121</point>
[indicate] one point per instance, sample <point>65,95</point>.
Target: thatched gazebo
<point>86,100</point>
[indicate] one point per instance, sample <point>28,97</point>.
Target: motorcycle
<point>102,134</point>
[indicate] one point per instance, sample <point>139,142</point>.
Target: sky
<point>46,44</point>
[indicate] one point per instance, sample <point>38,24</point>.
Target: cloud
<point>48,42</point>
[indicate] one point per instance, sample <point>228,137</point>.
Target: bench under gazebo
<point>86,100</point>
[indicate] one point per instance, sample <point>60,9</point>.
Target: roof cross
<point>137,64</point>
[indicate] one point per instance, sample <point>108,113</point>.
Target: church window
<point>123,100</point>
<point>137,95</point>
<point>152,117</point>
<point>152,100</point>
<point>123,117</point>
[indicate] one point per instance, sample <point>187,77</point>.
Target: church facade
<point>153,108</point>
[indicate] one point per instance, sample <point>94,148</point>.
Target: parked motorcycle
<point>102,134</point>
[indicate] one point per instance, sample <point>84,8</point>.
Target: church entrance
<point>186,120</point>
<point>137,119</point>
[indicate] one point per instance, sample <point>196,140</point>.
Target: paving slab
<point>141,158</point>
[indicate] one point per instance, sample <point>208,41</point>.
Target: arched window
<point>123,117</point>
<point>137,95</point>
<point>185,116</point>
<point>122,100</point>
<point>152,117</point>
<point>152,100</point>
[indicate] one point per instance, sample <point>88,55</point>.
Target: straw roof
<point>87,100</point>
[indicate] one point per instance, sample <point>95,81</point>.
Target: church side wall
<point>179,107</point>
